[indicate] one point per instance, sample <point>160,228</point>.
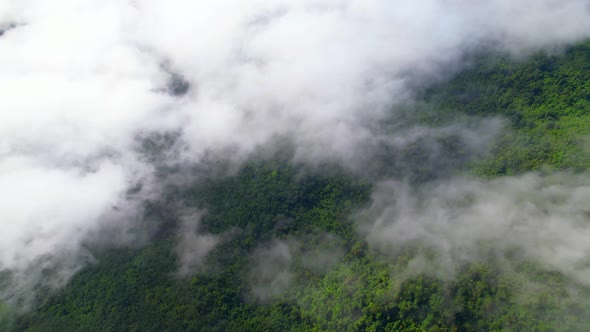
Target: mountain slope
<point>289,255</point>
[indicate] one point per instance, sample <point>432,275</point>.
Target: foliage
<point>546,99</point>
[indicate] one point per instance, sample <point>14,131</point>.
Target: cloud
<point>272,273</point>
<point>539,218</point>
<point>278,266</point>
<point>81,80</point>
<point>193,246</point>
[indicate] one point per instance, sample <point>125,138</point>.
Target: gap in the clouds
<point>177,85</point>
<point>7,27</point>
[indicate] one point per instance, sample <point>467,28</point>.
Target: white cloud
<point>544,218</point>
<point>79,79</point>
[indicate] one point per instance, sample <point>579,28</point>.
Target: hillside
<point>291,255</point>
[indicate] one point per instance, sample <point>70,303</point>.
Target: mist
<point>82,81</point>
<point>534,217</point>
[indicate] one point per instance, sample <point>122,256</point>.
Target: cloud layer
<point>81,80</point>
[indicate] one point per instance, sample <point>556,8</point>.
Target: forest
<point>286,249</point>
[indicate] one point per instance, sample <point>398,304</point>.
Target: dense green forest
<point>289,256</point>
